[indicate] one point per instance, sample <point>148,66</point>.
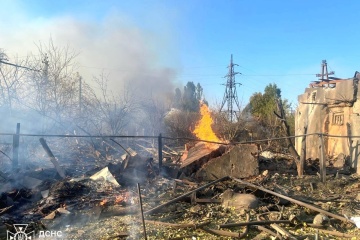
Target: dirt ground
<point>183,219</point>
<point>84,209</point>
<point>337,195</point>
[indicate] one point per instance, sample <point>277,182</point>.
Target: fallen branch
<point>6,155</point>
<point>183,237</point>
<point>268,231</point>
<point>5,209</point>
<point>229,234</point>
<point>295,201</point>
<point>121,146</point>
<point>207,200</point>
<point>228,225</point>
<point>225,233</point>
<point>282,231</point>
<point>155,209</point>
<point>338,234</point>
<point>177,225</point>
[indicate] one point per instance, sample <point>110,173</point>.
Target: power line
<point>205,75</point>
<point>280,75</point>
<point>15,65</point>
<point>28,56</point>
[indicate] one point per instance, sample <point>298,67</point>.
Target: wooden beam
<point>52,158</point>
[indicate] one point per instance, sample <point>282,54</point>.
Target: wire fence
<point>178,138</point>
<point>144,142</point>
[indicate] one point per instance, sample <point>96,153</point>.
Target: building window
<point>338,118</point>
<point>313,97</point>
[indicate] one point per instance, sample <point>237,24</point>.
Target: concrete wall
<point>330,110</point>
<point>354,143</point>
<point>310,113</point>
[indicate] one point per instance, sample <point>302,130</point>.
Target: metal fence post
<point>16,141</point>
<point>302,154</point>
<point>160,151</point>
<point>322,159</point>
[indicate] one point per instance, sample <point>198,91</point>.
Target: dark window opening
<point>338,119</point>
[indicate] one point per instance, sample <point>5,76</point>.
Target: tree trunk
<point>290,145</point>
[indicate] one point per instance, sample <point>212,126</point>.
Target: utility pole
<point>324,76</point>
<point>44,91</point>
<point>230,95</point>
<point>324,79</point>
<point>80,93</point>
<point>45,80</point>
<point>46,69</point>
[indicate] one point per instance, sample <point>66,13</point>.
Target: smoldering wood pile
<point>203,194</point>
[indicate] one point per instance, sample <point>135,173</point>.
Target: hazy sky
<point>163,44</point>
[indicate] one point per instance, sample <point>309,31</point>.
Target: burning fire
<point>203,128</point>
<point>119,199</point>
<point>103,202</point>
<point>122,198</point>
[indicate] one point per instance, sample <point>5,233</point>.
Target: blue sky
<point>280,42</point>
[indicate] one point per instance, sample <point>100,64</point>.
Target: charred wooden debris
<point>207,191</point>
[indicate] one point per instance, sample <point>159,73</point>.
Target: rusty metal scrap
<point>155,209</point>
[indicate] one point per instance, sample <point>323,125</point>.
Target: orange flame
<point>203,128</point>
<point>119,199</point>
<point>103,202</point>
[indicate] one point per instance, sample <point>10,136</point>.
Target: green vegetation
<point>262,107</point>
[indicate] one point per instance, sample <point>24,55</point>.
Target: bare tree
<point>227,130</point>
<point>155,110</point>
<point>53,90</point>
<point>12,78</point>
<point>179,123</point>
<point>112,112</point>
<point>230,131</point>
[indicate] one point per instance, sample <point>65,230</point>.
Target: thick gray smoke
<point>128,54</point>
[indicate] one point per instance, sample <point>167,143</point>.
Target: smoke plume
<point>129,54</point>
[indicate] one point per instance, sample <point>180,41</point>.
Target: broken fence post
<point>322,159</point>
<point>302,154</point>
<point>16,144</point>
<point>141,210</point>
<point>52,158</point>
<point>160,151</point>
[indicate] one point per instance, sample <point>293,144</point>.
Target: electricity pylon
<point>230,95</point>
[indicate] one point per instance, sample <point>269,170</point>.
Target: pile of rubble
<point>209,191</point>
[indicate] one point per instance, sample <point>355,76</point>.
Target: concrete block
<point>240,162</point>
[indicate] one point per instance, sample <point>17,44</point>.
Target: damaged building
<point>330,106</point>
